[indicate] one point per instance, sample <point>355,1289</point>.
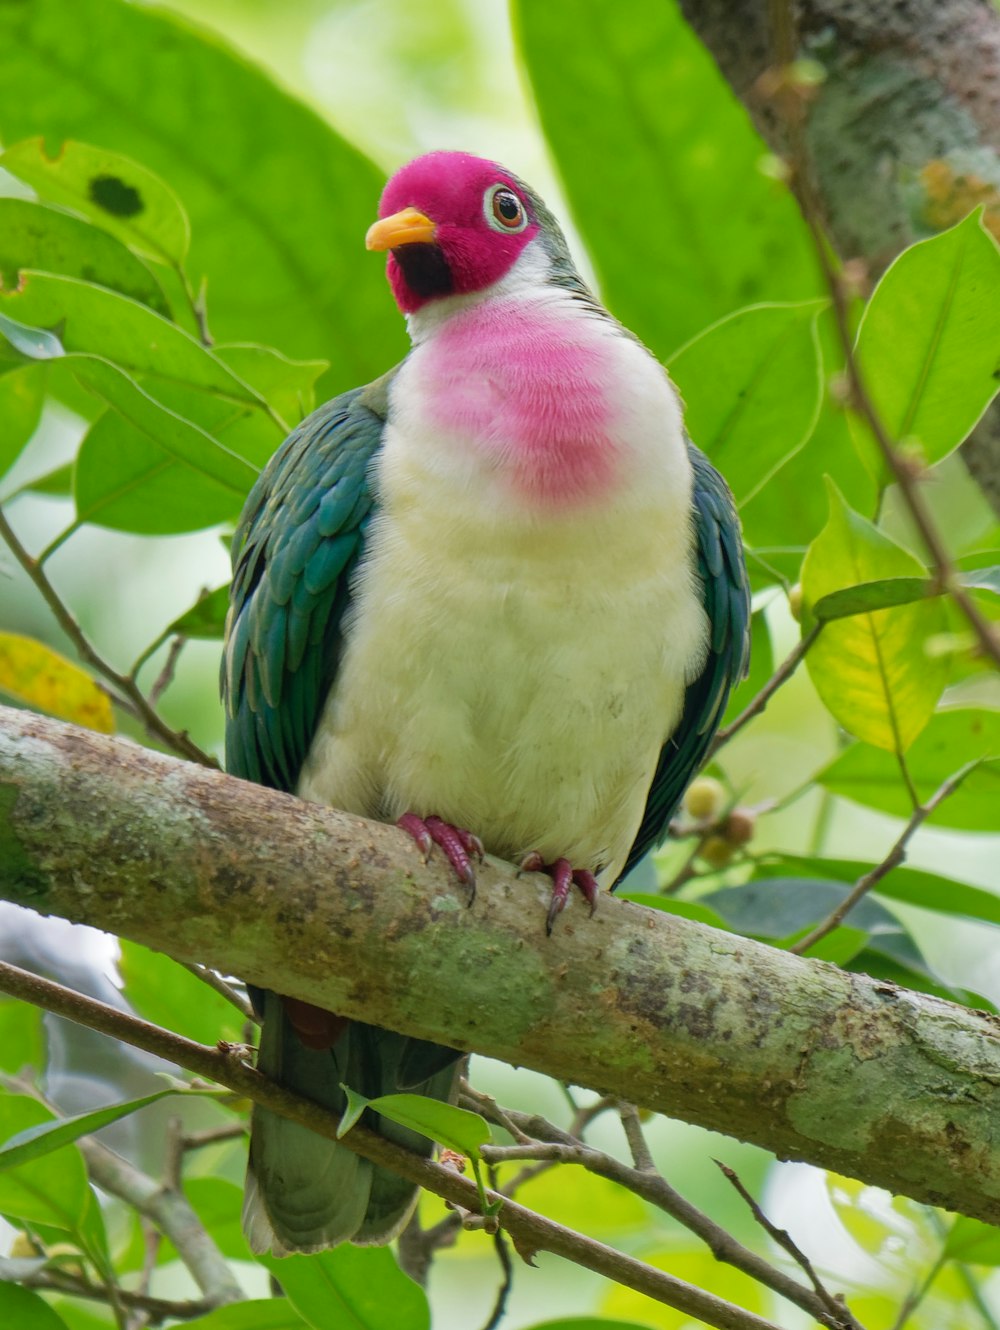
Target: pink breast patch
<point>530,387</point>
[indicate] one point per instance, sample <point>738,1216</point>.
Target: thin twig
<point>834,1305</point>
<point>160,1309</point>
<point>195,1140</point>
<point>641,1156</point>
<point>781,675</point>
<point>892,860</point>
<point>227,991</point>
<point>127,688</point>
<point>529,1231</point>
<point>652,1187</point>
<point>502,1248</point>
<point>166,676</point>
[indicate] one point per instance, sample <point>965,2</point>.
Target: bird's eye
<point>504,210</point>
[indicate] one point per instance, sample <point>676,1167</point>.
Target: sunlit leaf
<point>162,991</point>
<point>34,674</point>
<point>289,385</point>
<point>51,1190</point>
<point>752,386</point>
<point>871,670</point>
<point>123,196</point>
<point>973,1241</point>
<point>455,1128</point>
<point>279,203</point>
<point>22,393</point>
<point>952,738</point>
<point>21,1039</point>
<point>47,240</point>
<point>206,618</point>
<point>257,1314</point>
<point>100,322</point>
<point>352,1288</point>
<point>929,342</point>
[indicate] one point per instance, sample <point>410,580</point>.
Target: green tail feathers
<point>305,1192</point>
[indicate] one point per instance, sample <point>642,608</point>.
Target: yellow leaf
<point>34,674</point>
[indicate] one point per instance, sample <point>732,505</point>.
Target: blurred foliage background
<point>271,125</point>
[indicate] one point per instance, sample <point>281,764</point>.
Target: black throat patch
<point>425,270</point>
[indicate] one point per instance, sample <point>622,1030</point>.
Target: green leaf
<point>162,991</point>
<point>125,198</point>
<point>587,1323</point>
<point>761,667</point>
<point>929,342</point>
<point>21,1036</point>
<point>696,910</point>
<point>752,387</point>
<point>973,1241</point>
<point>25,1310</point>
<point>985,579</point>
<point>22,343</point>
<point>871,670</point>
<point>22,393</point>
<point>454,1128</point>
<point>57,483</point>
<point>41,1139</point>
<point>205,619</point>
<point>263,178</point>
<point>356,1105</point>
<point>47,681</point>
<point>871,596</point>
<point>45,239</point>
<point>952,738</point>
<point>289,385</point>
<point>913,886</point>
<point>352,1288</point>
<point>51,1190</point>
<point>661,167</point>
<point>258,1314</point>
<point>99,322</point>
<point>840,947</point>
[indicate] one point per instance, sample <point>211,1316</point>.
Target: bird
<point>497,597</point>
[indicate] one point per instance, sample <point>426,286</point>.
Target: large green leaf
<point>96,321</point>
<point>258,1314</point>
<point>929,342</point>
<point>21,1037</point>
<point>20,1309</point>
<point>752,387</point>
<point>278,203</point>
<point>162,991</point>
<point>51,1190</point>
<point>455,1128</point>
<point>352,1288</point>
<point>661,166</point>
<point>871,670</point>
<point>952,739</point>
<point>121,195</point>
<point>47,240</point>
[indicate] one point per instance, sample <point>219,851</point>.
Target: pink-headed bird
<point>496,596</point>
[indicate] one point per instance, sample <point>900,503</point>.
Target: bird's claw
<point>563,876</point>
<point>460,846</point>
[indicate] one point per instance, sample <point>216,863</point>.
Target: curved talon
<point>460,846</point>
<point>563,876</point>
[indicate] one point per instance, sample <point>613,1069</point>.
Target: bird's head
<point>455,224</point>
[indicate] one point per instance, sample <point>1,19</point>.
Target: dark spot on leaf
<point>112,194</point>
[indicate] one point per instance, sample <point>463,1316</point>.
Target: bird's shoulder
<point>297,543</point>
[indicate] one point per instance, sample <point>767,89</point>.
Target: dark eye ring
<point>504,210</point>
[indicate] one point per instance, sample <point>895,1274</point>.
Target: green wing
<point>726,597</point>
<point>297,544</point>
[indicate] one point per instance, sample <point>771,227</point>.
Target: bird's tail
<point>305,1192</point>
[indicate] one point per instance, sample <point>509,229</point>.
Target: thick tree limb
<point>893,1087</point>
<point>903,135</point>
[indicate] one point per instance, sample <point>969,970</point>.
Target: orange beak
<point>408,227</point>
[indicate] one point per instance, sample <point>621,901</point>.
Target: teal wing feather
<point>726,597</point>
<point>296,548</point>
<point>299,539</point>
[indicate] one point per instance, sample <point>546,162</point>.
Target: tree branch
<point>663,1012</point>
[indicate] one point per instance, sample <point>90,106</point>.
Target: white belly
<point>516,674</point>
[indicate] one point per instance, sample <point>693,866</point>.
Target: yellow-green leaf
<point>872,670</point>
<point>41,678</point>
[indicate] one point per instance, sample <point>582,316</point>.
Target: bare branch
<point>781,675</point>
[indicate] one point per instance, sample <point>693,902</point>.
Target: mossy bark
<point>798,1056</point>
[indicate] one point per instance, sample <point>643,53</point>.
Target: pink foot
<point>460,846</point>
<point>563,876</point>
